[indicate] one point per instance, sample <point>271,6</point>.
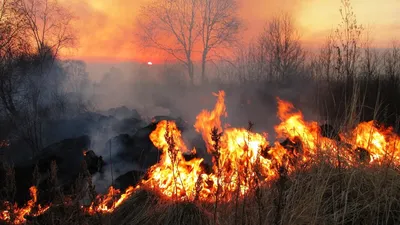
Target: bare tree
<point>11,25</point>
<point>76,86</point>
<point>370,60</point>
<point>188,29</point>
<point>48,25</point>
<point>171,26</point>
<point>29,83</point>
<point>281,47</point>
<point>77,78</point>
<point>347,56</point>
<point>391,61</point>
<point>347,42</point>
<point>250,63</point>
<point>12,48</point>
<point>341,66</point>
<point>220,27</point>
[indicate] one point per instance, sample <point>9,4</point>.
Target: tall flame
<point>242,159</point>
<point>206,120</point>
<point>173,175</point>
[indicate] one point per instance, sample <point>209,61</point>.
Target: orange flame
<point>14,214</point>
<point>109,202</point>
<point>173,176</point>
<point>206,120</point>
<point>242,159</point>
<point>238,162</point>
<point>381,143</point>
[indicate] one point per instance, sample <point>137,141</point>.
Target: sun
<point>149,63</point>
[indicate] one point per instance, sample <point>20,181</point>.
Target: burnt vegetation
<point>56,138</point>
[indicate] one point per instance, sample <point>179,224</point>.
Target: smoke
<point>111,100</point>
<point>163,90</point>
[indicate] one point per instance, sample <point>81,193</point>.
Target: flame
<point>293,126</point>
<point>173,175</point>
<point>14,214</point>
<point>242,159</point>
<point>381,143</point>
<point>109,202</point>
<point>206,120</point>
<point>239,159</point>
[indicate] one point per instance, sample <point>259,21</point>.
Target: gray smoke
<point>164,90</point>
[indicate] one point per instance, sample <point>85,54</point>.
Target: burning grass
<point>306,179</point>
<point>15,214</point>
<point>322,194</point>
<point>145,207</point>
<point>242,159</point>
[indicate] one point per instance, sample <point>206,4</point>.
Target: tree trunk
<point>203,67</point>
<point>191,72</point>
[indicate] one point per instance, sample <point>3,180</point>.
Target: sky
<point>105,28</point>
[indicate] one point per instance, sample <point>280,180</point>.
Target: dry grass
<point>146,208</point>
<point>322,195</point>
<point>327,195</point>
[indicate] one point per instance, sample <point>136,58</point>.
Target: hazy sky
<point>105,27</point>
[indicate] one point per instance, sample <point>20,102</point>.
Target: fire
<point>293,126</point>
<point>14,214</point>
<point>307,135</point>
<point>241,159</point>
<point>206,120</point>
<point>237,156</point>
<point>109,202</point>
<point>173,175</point>
<point>380,143</point>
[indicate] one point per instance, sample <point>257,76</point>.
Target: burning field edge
<point>250,178</point>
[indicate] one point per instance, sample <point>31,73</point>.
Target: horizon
<point>112,25</point>
<point>114,60</point>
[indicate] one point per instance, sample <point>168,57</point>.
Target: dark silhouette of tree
<point>220,27</point>
<point>33,33</point>
<point>281,49</point>
<point>185,29</point>
<point>275,56</point>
